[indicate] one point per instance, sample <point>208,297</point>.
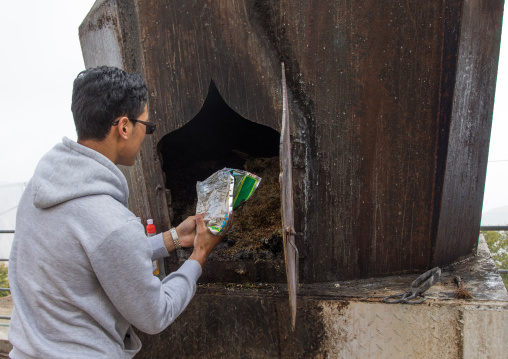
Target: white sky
<point>41,56</point>
<point>496,187</point>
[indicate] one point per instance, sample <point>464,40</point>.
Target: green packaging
<point>245,185</point>
<point>222,193</point>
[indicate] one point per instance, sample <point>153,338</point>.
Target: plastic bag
<point>222,193</point>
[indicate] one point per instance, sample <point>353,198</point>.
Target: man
<point>81,265</point>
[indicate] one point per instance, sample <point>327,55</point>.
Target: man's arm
<point>122,264</point>
<point>163,244</point>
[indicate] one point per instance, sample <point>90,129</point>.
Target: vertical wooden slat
<point>288,221</point>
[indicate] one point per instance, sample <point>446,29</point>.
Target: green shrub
<point>4,279</point>
<point>498,245</point>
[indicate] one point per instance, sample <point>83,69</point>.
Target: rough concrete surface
<point>485,331</point>
<point>433,330</point>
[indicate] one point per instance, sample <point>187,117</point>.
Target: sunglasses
<point>150,126</point>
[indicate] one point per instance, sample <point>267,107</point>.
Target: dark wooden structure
<point>390,110</point>
<point>390,115</point>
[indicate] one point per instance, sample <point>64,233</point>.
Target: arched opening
<point>218,137</point>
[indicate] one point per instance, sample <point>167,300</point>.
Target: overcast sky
<point>41,56</point>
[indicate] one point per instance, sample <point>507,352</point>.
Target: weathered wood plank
<point>286,192</point>
<point>469,131</point>
<point>368,75</point>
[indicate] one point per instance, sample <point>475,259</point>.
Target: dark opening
<point>218,137</point>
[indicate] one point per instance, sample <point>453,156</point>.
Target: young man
<point>81,265</point>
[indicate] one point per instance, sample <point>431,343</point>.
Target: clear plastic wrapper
<point>223,192</point>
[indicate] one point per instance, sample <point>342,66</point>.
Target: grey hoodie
<point>80,269</point>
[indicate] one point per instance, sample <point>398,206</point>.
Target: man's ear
<point>123,127</point>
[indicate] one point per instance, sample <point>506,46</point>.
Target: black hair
<point>102,94</point>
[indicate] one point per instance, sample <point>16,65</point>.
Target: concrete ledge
<point>433,330</point>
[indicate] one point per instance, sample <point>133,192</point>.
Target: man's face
<point>133,145</point>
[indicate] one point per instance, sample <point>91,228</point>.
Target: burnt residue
<point>106,18</point>
<point>342,306</point>
<point>272,21</point>
<point>309,335</point>
<point>240,324</point>
<point>220,326</point>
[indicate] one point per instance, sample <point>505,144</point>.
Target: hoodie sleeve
<point>159,249</point>
<point>122,263</point>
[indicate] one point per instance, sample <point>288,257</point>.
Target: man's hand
<point>204,242</point>
<point>187,231</point>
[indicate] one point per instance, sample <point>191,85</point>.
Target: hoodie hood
<point>70,170</point>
